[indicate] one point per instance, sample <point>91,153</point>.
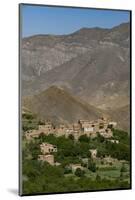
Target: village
<point>83,127</point>
<point>92,129</point>
<point>48,151</point>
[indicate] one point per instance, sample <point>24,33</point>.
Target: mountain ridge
<point>92,64</point>
<point>57,104</point>
<point>121,25</point>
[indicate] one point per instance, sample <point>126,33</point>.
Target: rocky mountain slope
<point>122,116</point>
<point>91,63</point>
<point>60,106</point>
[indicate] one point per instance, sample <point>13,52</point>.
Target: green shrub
<point>67,170</point>
<point>84,138</point>
<point>79,172</point>
<point>71,137</point>
<point>91,165</point>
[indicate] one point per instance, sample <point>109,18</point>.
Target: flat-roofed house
<point>86,126</point>
<point>32,134</point>
<point>90,128</point>
<point>61,130</point>
<point>69,130</point>
<point>47,128</point>
<point>103,123</point>
<point>48,158</point>
<point>95,126</point>
<point>47,148</point>
<point>106,133</point>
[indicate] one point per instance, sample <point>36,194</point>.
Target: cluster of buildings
<point>47,155</point>
<point>83,127</point>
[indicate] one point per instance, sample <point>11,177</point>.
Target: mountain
<point>92,64</point>
<point>60,106</point>
<point>122,116</point>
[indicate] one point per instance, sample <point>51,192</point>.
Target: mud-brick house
<point>106,133</point>
<point>91,128</point>
<point>88,128</point>
<point>76,127</point>
<point>73,129</point>
<point>69,130</point>
<point>32,134</point>
<point>60,130</point>
<point>48,158</point>
<point>47,128</point>
<point>47,148</point>
<point>95,126</point>
<point>102,123</point>
<point>76,130</point>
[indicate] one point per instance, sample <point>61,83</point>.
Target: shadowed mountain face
<point>122,116</point>
<point>60,106</point>
<point>91,63</point>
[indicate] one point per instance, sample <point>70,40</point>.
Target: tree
<point>98,178</point>
<point>67,170</point>
<point>123,168</point>
<point>34,149</point>
<point>122,136</point>
<point>42,137</point>
<point>120,151</point>
<point>84,164</point>
<point>101,153</point>
<point>71,137</point>
<point>83,138</point>
<point>91,166</point>
<point>100,138</point>
<point>25,128</point>
<point>89,154</point>
<point>79,172</point>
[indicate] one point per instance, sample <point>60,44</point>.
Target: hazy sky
<point>59,20</point>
